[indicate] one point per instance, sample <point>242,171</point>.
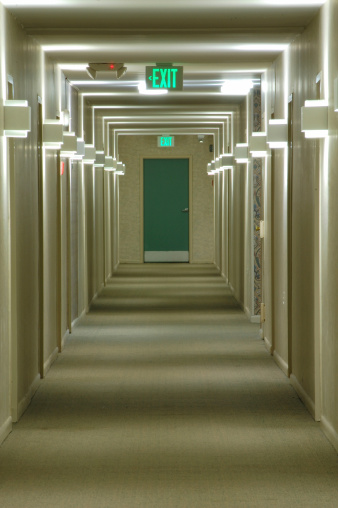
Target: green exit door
<point>166,210</point>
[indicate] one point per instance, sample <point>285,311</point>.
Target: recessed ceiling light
<point>236,86</point>
<point>143,90</point>
<point>73,67</point>
<point>264,47</point>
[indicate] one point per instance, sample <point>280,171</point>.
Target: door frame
<point>142,158</point>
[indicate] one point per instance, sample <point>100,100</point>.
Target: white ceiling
<point>212,39</point>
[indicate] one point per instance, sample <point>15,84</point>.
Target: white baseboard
<point>304,397</point>
<point>329,432</point>
<point>5,429</point>
<point>282,364</point>
<point>201,262</point>
<point>268,345</point>
<point>251,318</point>
<point>225,278</point>
<point>48,363</point>
<point>108,278</point>
<point>75,322</point>
<point>129,262</point>
<point>64,339</point>
<point>170,256</point>
<point>24,403</point>
<point>92,301</point>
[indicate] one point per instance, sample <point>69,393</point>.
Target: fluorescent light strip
<point>73,67</point>
<point>236,86</point>
<point>143,90</point>
<point>66,47</point>
<point>264,47</point>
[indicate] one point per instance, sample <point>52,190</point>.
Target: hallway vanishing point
<point>166,397</point>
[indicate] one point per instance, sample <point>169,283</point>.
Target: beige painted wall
<point>314,349</point>
<point>131,149</point>
<point>21,53</point>
<point>5,418</point>
<point>19,245</point>
<point>237,203</point>
<point>276,262</point>
<point>329,240</point>
<point>302,60</point>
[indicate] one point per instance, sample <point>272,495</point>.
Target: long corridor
<point>165,396</point>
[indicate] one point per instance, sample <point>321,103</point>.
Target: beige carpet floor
<point>166,397</point>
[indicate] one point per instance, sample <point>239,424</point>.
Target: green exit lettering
<point>164,78</point>
<point>167,141</point>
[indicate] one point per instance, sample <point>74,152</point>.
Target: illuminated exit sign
<point>167,77</point>
<point>165,141</point>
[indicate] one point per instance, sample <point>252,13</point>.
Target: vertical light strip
<point>107,139</point>
<point>3,53</point>
<point>3,96</point>
<point>93,122</point>
<point>81,116</point>
<point>286,71</point>
<point>232,133</point>
<point>70,106</point>
<point>323,212</point>
<point>58,89</point>
<point>115,144</point>
<point>247,116</point>
<point>103,136</point>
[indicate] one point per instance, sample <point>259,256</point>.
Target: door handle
<point>186,210</point>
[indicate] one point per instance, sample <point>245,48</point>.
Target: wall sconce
<point>227,161</point>
<point>80,150</point>
<point>69,147</point>
<point>217,165</point>
<point>90,154</point>
<point>100,159</point>
<point>277,133</point>
<point>121,168</point>
<point>257,145</point>
<point>52,134</point>
<point>109,164</point>
<point>17,119</point>
<point>210,171</point>
<point>65,117</point>
<point>241,153</point>
<point>335,92</point>
<point>314,119</point>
